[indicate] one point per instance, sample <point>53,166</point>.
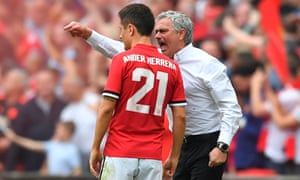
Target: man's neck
<point>48,99</point>
<point>141,40</point>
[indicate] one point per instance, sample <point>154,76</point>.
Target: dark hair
<point>246,65</point>
<point>140,16</point>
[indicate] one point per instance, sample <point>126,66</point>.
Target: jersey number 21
<point>162,77</point>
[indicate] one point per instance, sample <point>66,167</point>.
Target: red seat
<point>256,172</point>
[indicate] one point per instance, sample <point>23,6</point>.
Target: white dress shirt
<point>84,117</point>
<point>211,100</point>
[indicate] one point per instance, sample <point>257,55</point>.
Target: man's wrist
<point>223,147</point>
<point>87,33</point>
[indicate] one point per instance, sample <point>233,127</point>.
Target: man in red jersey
<point>140,84</point>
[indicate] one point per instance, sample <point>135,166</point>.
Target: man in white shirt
<point>212,111</point>
<point>82,111</point>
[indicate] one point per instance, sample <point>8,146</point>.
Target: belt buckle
<point>185,139</point>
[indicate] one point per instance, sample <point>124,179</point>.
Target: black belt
<point>200,137</point>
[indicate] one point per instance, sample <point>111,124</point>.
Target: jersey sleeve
<point>114,82</point>
<point>178,98</point>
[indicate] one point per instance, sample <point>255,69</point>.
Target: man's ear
<point>131,29</point>
<point>182,34</point>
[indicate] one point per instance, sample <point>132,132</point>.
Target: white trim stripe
<point>110,95</point>
<point>178,104</point>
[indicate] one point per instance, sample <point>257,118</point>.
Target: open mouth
<point>163,46</point>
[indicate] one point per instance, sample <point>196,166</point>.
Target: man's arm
<point>105,113</point>
<point>224,96</point>
<point>25,142</point>
<point>107,46</point>
<point>259,107</point>
<point>280,117</point>
<point>178,113</point>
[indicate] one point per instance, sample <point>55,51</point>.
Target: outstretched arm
<point>24,142</point>
<point>107,46</point>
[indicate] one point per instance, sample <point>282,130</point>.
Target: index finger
<point>69,26</point>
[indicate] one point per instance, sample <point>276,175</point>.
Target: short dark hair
<point>246,65</point>
<point>140,16</point>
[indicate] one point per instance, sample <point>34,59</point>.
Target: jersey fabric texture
<point>144,81</point>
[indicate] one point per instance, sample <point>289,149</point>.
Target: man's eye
<point>161,31</point>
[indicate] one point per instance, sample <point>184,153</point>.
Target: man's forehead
<point>163,24</point>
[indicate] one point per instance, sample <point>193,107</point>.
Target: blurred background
<point>47,76</point>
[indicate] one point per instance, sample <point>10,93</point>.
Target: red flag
<point>275,48</point>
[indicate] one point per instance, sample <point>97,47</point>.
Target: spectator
<point>82,110</point>
<point>286,115</point>
<point>277,152</point>
<point>242,29</point>
<point>62,54</point>
<point>14,85</point>
<point>62,156</point>
<point>36,120</point>
<point>290,18</point>
<point>246,154</point>
<point>36,17</point>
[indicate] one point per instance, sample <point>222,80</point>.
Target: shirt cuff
<point>93,39</point>
<point>225,137</point>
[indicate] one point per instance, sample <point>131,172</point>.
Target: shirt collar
<point>178,56</point>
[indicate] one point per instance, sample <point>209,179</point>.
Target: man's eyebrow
<point>161,30</point>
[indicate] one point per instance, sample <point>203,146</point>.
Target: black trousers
<point>194,157</point>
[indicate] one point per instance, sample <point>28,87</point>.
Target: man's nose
<point>157,35</point>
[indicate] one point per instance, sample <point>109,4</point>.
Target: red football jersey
<point>144,81</point>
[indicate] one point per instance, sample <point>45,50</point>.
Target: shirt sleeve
<point>106,46</point>
<point>178,98</point>
<point>224,95</point>
<point>114,81</point>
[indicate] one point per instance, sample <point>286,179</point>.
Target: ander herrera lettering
<point>149,60</point>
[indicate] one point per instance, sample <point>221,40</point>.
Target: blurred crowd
<point>46,76</point>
